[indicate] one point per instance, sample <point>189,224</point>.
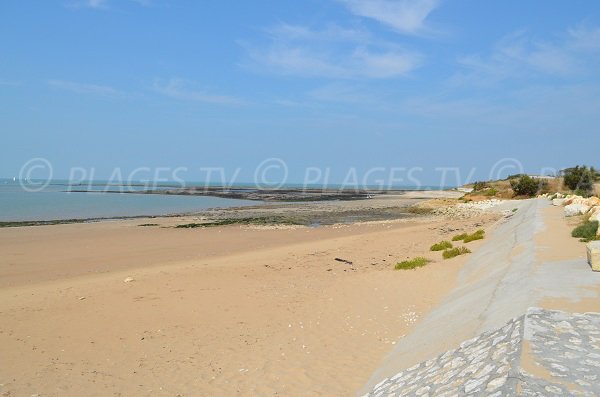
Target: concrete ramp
<point>500,282</point>
<point>543,353</point>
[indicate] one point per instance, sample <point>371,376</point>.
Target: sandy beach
<point>245,310</point>
<point>114,308</point>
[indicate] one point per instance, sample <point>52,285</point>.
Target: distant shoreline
<point>280,207</point>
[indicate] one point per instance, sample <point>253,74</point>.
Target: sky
<point>417,86</point>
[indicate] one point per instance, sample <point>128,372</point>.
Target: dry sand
<point>211,312</point>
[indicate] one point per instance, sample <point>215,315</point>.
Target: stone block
<point>593,254</point>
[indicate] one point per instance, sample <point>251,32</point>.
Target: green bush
<point>490,192</point>
<point>587,231</point>
<point>412,264</point>
<point>460,237</point>
<point>442,245</point>
<point>526,185</point>
<point>466,237</point>
<point>479,186</point>
<point>580,178</point>
<point>451,253</point>
<point>478,235</point>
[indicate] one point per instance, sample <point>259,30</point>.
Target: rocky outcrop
<point>543,353</point>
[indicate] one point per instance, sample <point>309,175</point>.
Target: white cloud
<point>101,4</point>
<point>404,16</point>
<point>520,56</point>
<point>183,90</point>
<point>83,88</point>
<point>334,52</point>
<point>584,38</point>
<point>95,4</point>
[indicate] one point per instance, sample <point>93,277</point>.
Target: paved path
<point>500,281</point>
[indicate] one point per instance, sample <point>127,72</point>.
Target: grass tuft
<point>586,232</point>
<point>467,238</point>
<point>451,253</point>
<point>460,237</point>
<point>442,245</point>
<point>412,264</point>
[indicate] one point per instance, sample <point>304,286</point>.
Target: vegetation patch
<point>451,253</point>
<point>525,185</point>
<point>420,210</point>
<point>586,231</point>
<point>149,224</point>
<point>412,264</point>
<point>442,245</point>
<point>478,235</point>
<point>460,237</point>
<point>467,238</point>
<point>242,221</point>
<point>581,179</point>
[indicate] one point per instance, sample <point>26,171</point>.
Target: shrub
<point>490,192</point>
<point>580,178</point>
<point>466,237</point>
<point>479,186</point>
<point>526,185</point>
<point>587,231</point>
<point>583,193</point>
<point>412,264</point>
<point>442,245</point>
<point>451,253</point>
<point>478,235</point>
<point>460,237</point>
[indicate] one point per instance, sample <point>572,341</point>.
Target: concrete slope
<point>499,282</point>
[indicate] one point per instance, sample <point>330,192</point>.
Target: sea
<point>58,200</point>
<point>22,202</point>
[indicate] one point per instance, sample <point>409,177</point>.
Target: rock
<point>593,255</point>
<point>595,216</point>
<point>576,209</point>
<point>128,280</point>
<point>593,201</point>
<point>558,202</point>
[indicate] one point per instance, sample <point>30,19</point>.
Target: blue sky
<point>332,83</point>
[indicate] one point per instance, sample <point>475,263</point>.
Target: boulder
<point>576,209</point>
<point>558,202</point>
<point>593,255</point>
<point>594,211</point>
<point>593,201</point>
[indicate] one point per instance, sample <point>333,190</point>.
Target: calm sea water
<point>53,202</point>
